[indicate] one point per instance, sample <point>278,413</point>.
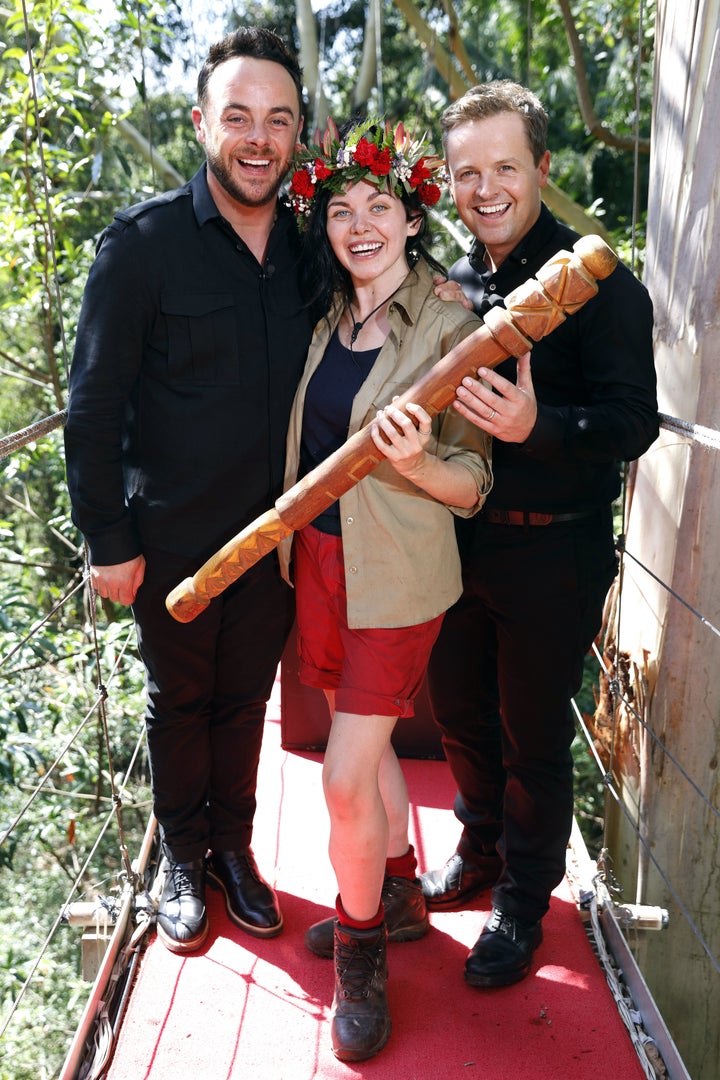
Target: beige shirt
<point>401,560</point>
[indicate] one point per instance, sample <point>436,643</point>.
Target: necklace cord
<point>358,325</point>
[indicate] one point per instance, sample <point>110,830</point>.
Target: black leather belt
<point>529,517</point>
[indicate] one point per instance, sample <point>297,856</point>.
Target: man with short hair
<point>191,340</point>
<point>539,558</point>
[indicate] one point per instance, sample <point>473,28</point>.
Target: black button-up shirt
<point>594,378</point>
<point>187,358</point>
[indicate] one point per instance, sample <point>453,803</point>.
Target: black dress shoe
<point>503,952</point>
<point>182,922</point>
<point>406,917</point>
<point>249,900</point>
<point>459,880</point>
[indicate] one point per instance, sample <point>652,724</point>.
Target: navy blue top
<point>326,416</point>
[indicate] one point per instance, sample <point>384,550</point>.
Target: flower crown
<point>372,151</point>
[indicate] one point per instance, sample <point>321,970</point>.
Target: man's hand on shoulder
<point>450,290</point>
<point>506,410</point>
<point>119,582</point>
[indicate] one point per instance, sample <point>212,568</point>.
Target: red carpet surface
<point>245,1008</point>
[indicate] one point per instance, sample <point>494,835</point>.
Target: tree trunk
<point>672,529</point>
<point>310,61</point>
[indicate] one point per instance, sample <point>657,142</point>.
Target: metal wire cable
<point>73,889</point>
<point>40,623</point>
<point>610,787</point>
<point>665,879</point>
<point>101,694</point>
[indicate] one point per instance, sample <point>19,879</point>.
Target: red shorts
<point>373,672</point>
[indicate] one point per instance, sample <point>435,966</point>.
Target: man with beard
<point>190,344</point>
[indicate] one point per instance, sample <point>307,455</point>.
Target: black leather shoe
<point>406,917</point>
<point>250,902</point>
<point>459,880</point>
<point>182,922</point>
<point>503,952</point>
<point>359,1019</point>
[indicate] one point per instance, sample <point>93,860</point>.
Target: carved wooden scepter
<point>533,310</point>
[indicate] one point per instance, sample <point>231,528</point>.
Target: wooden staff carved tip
<point>598,257</point>
<point>183,603</point>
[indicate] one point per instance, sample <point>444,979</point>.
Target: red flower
<point>419,173</point>
<point>428,194</point>
<point>381,165</point>
<point>367,155</point>
<point>301,184</point>
<point>321,170</point>
<point>364,153</point>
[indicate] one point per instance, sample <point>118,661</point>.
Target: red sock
<point>358,924</point>
<point>402,865</point>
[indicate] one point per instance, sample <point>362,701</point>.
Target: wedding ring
<point>423,432</point>
<point>492,413</point>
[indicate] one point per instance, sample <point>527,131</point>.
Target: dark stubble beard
<point>241,193</point>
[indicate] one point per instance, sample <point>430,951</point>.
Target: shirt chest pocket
<point>202,344</point>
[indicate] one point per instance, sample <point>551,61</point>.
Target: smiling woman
<point>375,571</point>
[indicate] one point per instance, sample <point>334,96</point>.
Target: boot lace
<point>357,965</point>
<point>185,882</point>
<point>501,923</point>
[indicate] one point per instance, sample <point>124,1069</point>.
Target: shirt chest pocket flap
<point>202,344</point>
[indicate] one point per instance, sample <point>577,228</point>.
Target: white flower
<point>401,167</point>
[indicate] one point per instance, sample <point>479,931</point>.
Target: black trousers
<point>208,682</point>
<point>508,660</point>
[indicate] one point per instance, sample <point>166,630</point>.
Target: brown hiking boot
<point>406,916</point>
<point>359,1019</point>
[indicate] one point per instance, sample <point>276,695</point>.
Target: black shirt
<point>594,378</point>
<point>187,358</point>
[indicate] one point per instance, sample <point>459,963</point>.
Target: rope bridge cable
<point>29,434</point>
<point>695,432</point>
<point>710,439</point>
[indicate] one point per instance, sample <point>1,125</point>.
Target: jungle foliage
<point>69,156</point>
